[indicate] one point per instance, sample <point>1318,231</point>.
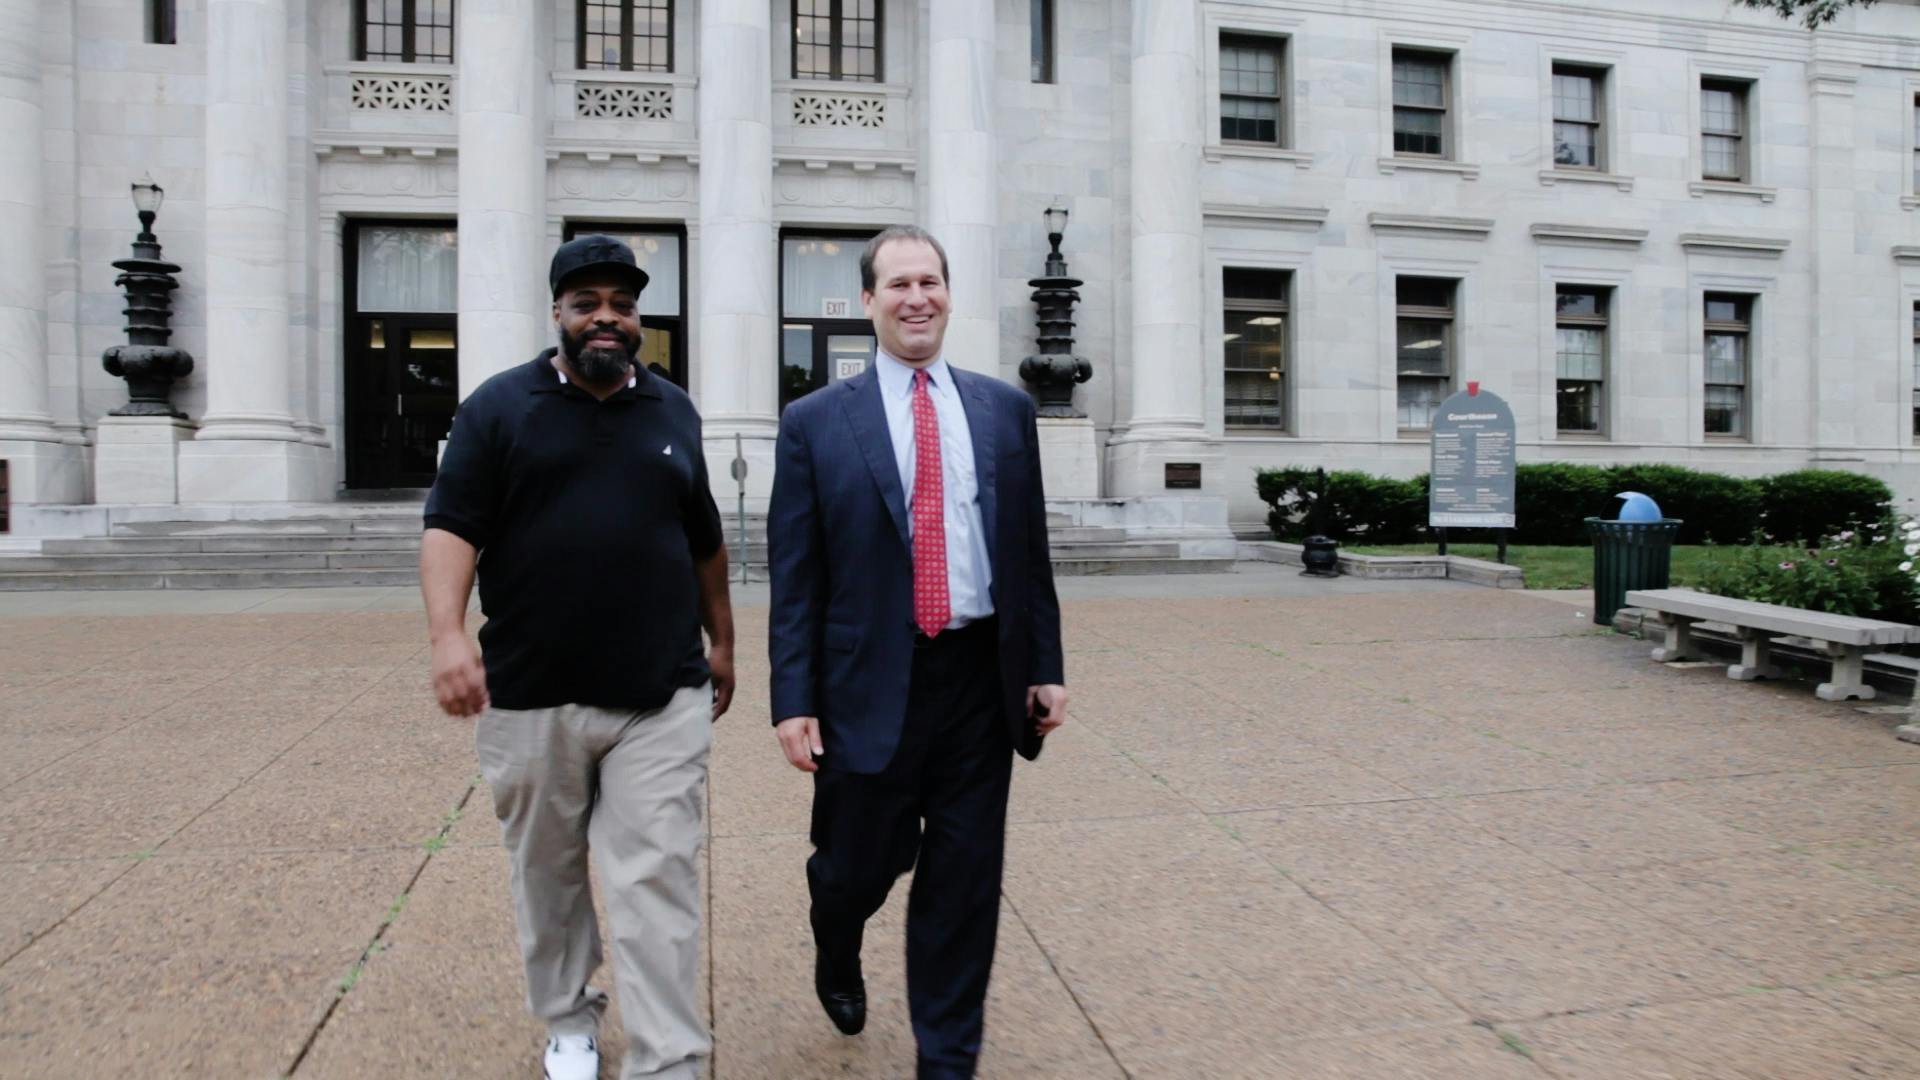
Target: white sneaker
<point>573,1057</point>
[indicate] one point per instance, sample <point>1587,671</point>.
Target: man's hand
<point>720,660</point>
<point>1054,697</point>
<point>459,679</point>
<point>800,738</point>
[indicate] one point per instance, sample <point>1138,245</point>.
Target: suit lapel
<point>980,427</point>
<point>867,415</point>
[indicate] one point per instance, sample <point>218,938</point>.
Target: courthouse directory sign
<point>1472,486</point>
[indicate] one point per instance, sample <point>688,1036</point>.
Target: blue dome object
<point>1637,507</point>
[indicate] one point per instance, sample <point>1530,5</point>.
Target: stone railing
<point>596,100</point>
<point>839,108</point>
<point>388,91</point>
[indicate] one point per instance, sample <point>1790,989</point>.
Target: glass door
<point>404,396</point>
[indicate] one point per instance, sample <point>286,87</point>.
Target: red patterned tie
<point>931,605</point>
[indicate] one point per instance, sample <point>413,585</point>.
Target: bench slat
<point>1820,625</point>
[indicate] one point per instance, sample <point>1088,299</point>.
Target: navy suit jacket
<point>841,633</point>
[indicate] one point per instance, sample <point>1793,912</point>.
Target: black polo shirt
<point>589,516</point>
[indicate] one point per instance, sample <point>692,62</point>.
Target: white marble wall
<point>1833,376</point>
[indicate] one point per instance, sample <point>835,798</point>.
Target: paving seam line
<point>374,944</point>
<point>1092,1025</point>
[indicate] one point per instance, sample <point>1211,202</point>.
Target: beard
<point>600,365</point>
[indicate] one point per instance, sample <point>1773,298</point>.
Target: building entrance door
<point>402,369</point>
<point>402,401</point>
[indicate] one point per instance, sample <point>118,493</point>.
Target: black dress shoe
<point>845,999</point>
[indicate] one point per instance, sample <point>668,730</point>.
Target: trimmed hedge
<point>1813,503</point>
<point>1555,498</point>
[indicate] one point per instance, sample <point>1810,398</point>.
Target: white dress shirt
<point>969,570</point>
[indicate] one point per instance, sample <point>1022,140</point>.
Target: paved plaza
<point>1296,829</point>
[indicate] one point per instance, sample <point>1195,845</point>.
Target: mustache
<point>625,339</point>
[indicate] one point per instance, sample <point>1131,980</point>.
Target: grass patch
<point>1546,566</point>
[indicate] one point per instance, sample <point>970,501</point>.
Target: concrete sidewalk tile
<point>1646,755</point>
<point>1605,828</point>
<point>64,812</point>
<point>1421,1053</point>
<point>754,789</point>
<point>1894,863</point>
<point>1222,778</point>
<point>159,1014</point>
<point>1811,807</point>
<point>1786,914</point>
<point>1390,845</point>
<point>1526,947</point>
<point>1430,762</point>
<point>40,894</point>
<point>1199,987</point>
<point>1070,869</point>
<point>308,801</point>
<point>1781,1035</point>
<point>1081,774</point>
<point>1891,1004</point>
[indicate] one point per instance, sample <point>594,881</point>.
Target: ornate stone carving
<point>622,101</point>
<point>839,110</point>
<point>403,93</point>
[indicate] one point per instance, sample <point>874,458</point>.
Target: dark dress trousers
<point>918,732</point>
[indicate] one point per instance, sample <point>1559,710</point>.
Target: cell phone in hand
<point>1033,741</point>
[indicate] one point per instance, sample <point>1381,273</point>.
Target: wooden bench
<point>1844,639</point>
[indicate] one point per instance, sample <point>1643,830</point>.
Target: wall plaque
<point>1183,474</point>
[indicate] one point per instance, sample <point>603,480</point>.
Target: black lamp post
<point>147,362</point>
<point>1055,371</point>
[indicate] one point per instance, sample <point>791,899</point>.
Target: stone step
<point>180,545</point>
<point>206,561</point>
<point>209,579</point>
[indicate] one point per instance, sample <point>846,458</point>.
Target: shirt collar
<point>896,377</point>
<point>643,383</point>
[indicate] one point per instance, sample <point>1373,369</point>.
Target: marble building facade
<point>1662,231</point>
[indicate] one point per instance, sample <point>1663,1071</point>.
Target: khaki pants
<point>633,784</point>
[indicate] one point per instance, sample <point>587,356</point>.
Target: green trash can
<point>1629,555</point>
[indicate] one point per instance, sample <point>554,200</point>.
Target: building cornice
<point>1431,225</point>
<point>1587,235</point>
<point>1309,218</point>
<point>1726,244</point>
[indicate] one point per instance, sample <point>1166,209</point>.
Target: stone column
<point>1168,419</point>
<point>505,308</point>
<point>247,449</point>
<point>735,296</point>
<point>1840,419</point>
<point>41,468</point>
<point>962,190</point>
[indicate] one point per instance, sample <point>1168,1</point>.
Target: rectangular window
<point>1420,95</point>
<point>404,31</point>
<point>626,35</point>
<point>1916,144</point>
<point>1041,40</point>
<point>161,22</point>
<point>1252,74</point>
<point>1729,323</point>
<point>836,39</point>
<point>1256,348</point>
<point>1916,371</point>
<point>1723,130</point>
<point>1580,360</point>
<point>1424,348</point>
<point>1576,116</point>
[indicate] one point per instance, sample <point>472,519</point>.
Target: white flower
<point>1912,549</point>
<point>1906,566</point>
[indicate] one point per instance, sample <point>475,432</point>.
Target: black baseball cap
<point>595,252</point>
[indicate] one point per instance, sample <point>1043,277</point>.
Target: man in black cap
<point>574,486</point>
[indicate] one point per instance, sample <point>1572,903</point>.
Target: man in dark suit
<point>915,640</point>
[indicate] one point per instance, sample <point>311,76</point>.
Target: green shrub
<point>1379,509</point>
<point>1712,507</point>
<point>1808,504</point>
<point>1552,501</point>
<point>1855,572</point>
